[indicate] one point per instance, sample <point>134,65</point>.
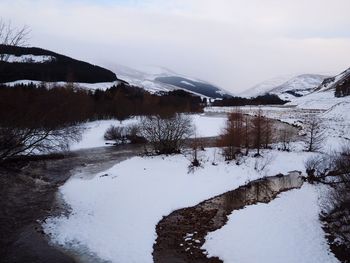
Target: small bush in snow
<point>122,135</point>
<point>167,134</point>
<point>116,133</point>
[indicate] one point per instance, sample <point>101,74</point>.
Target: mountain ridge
<point>37,64</point>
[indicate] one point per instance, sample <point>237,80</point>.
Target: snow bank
<point>286,230</point>
<point>115,216</point>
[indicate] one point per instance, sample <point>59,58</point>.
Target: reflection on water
<point>182,234</point>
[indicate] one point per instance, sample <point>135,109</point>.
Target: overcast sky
<point>232,43</point>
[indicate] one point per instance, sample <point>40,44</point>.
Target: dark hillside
<point>60,68</point>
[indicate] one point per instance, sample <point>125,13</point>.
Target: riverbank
<point>28,196</point>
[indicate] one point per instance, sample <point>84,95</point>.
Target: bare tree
<point>231,138</point>
<point>246,133</point>
<point>31,141</point>
<point>286,135</point>
<point>257,130</point>
<point>267,132</point>
<point>314,134</point>
<point>167,134</point>
<point>12,36</point>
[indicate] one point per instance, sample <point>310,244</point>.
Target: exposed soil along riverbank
<point>28,195</point>
<point>182,234</point>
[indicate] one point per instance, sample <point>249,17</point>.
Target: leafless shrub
<point>167,134</point>
<point>116,133</point>
<point>122,135</point>
<point>334,171</point>
<point>261,163</point>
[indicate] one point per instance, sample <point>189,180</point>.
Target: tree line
<point>267,99</point>
<point>40,119</point>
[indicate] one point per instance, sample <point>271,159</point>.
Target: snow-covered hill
<point>287,88</point>
<point>264,87</point>
<point>37,64</point>
<point>298,86</point>
<point>158,79</point>
<point>323,97</point>
<point>336,81</point>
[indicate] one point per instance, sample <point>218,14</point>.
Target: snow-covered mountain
<point>298,86</point>
<point>332,91</point>
<point>287,88</point>
<point>264,87</point>
<point>158,79</point>
<point>340,81</point>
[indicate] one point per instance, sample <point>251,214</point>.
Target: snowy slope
<point>158,79</point>
<point>298,86</point>
<point>287,88</point>
<point>333,82</point>
<point>264,87</point>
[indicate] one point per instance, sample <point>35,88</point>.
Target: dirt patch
<point>182,233</point>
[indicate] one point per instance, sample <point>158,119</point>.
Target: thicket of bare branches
<point>28,141</point>
<point>12,36</point>
<point>243,131</point>
<point>334,171</point>
<point>35,122</point>
<point>167,133</point>
<point>122,135</point>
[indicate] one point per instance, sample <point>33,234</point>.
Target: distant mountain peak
<point>288,88</point>
<point>159,79</point>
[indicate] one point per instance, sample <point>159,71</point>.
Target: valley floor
<point>113,208</point>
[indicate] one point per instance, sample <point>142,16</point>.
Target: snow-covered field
<point>114,214</point>
<point>285,230</point>
<point>206,126</point>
